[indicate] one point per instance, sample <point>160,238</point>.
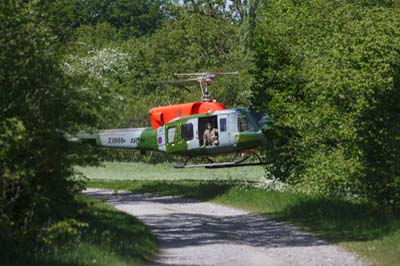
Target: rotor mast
<point>204,80</point>
<point>205,95</point>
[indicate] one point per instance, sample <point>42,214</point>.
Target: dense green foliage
<point>327,72</point>
<point>331,84</point>
<point>131,68</point>
<point>39,102</point>
<point>129,18</point>
<point>34,97</point>
<point>106,237</point>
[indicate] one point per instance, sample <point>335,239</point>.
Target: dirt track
<point>201,233</point>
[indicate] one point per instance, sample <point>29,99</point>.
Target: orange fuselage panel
<point>163,114</point>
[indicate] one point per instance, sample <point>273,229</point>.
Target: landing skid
<point>235,163</point>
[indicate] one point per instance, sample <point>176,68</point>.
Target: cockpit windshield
<point>250,120</point>
<point>260,118</point>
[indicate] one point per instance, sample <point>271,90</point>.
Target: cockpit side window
<point>242,123</point>
<point>187,132</point>
<point>249,120</point>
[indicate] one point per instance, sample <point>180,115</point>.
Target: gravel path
<point>199,233</point>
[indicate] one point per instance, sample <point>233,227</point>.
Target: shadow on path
<point>179,224</point>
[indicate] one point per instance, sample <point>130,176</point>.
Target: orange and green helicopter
<point>185,129</point>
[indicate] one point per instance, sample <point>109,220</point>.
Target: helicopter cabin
<point>163,114</point>
<point>228,129</point>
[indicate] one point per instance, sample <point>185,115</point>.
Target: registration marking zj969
<point>116,140</point>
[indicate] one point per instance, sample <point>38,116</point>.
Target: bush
<point>39,103</point>
<point>331,85</point>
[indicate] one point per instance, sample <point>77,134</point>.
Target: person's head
<point>242,126</point>
<point>209,126</point>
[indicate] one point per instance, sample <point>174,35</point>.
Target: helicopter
<point>185,129</point>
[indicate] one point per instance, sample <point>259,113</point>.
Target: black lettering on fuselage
<point>135,140</point>
<point>116,140</point>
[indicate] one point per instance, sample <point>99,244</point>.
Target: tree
<point>331,86</point>
<point>130,18</point>
<point>39,104</point>
<point>186,41</point>
<point>189,43</point>
<point>236,10</point>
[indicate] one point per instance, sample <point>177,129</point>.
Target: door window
<point>187,131</point>
<point>222,124</point>
<point>171,134</point>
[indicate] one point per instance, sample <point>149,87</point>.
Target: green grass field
<point>356,226</point>
<point>111,237</point>
<point>165,171</point>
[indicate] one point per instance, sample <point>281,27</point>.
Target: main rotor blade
<point>200,74</point>
<point>193,81</point>
<point>177,83</point>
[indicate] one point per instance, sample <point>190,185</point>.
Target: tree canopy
<point>331,86</point>
<point>328,73</point>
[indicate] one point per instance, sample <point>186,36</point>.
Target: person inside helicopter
<point>242,123</point>
<point>210,136</point>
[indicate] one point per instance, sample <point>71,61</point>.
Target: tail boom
<point>128,138</point>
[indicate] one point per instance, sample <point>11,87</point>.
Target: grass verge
<point>358,227</point>
<point>111,237</point>
<point>166,171</point>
